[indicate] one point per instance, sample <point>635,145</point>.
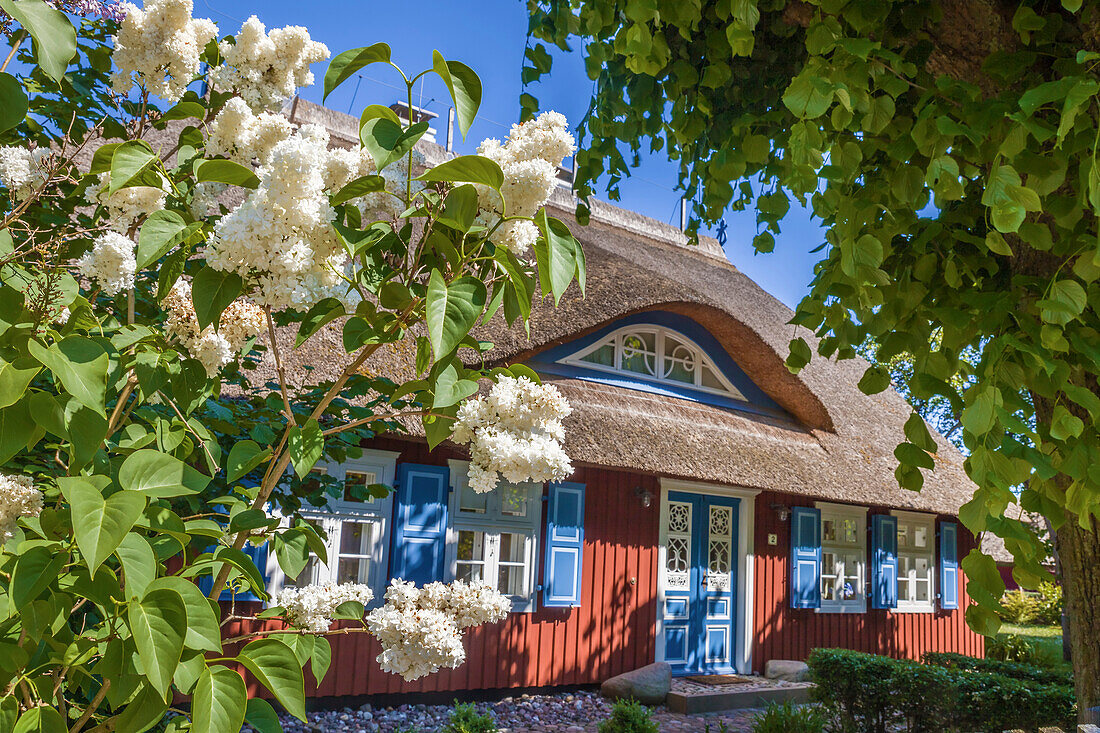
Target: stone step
<point>733,699</point>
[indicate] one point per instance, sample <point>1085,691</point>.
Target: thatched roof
<point>838,447</point>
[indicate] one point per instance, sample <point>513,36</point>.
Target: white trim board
<point>746,559</point>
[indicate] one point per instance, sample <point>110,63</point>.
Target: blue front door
<point>699,582</point>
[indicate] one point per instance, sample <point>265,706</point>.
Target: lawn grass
<point>1047,641</point>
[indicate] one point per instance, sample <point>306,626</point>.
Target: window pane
<point>850,535</point>
<point>469,573</point>
<point>360,479</point>
<point>513,499</point>
<point>828,530</point>
<point>510,580</point>
<point>920,536</point>
<point>903,535</point>
<point>679,361</point>
<point>355,538</point>
<point>639,352</point>
<point>605,355</point>
<point>471,546</point>
<point>512,547</point>
<point>353,570</point>
<point>471,501</point>
<point>709,379</point>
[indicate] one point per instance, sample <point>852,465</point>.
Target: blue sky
<point>489,36</point>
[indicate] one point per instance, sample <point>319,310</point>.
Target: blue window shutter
<point>949,565</point>
<point>564,546</point>
<point>805,557</point>
<point>420,522</point>
<point>884,561</point>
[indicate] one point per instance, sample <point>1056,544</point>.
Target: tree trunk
<point>1079,553</point>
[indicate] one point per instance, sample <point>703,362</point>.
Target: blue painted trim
<point>258,555</point>
<point>884,561</point>
<point>949,565</point>
<point>564,549</point>
<point>412,533</point>
<point>805,557</point>
<point>547,362</point>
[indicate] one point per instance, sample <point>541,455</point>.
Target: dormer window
<point>656,354</point>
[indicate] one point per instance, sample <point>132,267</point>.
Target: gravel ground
<point>573,712</point>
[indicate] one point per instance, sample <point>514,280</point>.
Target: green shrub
<point>1010,648</point>
<point>465,719</point>
<point>1027,672</point>
<point>628,716</point>
<point>1018,607</point>
<point>1048,604</point>
<point>789,718</point>
<point>864,693</point>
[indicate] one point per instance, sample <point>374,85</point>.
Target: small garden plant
<point>628,716</point>
<point>787,717</point>
<point>466,719</point>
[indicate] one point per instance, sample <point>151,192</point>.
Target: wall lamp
<point>782,511</point>
<point>645,495</point>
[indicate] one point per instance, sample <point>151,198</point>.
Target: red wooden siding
<point>613,631</point>
<point>782,632</point>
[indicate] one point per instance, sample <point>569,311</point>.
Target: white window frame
<point>912,520</point>
<point>698,356</point>
<point>840,512</point>
<point>493,524</point>
<point>377,512</point>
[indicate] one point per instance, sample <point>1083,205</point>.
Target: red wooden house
<point>723,512</point>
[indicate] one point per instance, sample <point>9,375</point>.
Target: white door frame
<point>746,511</point>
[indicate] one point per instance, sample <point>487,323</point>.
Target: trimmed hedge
<point>866,693</point>
<point>1028,672</point>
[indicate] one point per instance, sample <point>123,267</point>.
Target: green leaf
<point>321,313</point>
<point>559,257</point>
<point>1065,301</point>
<point>139,564</point>
<point>800,355</point>
<point>53,34</point>
<point>261,716</point>
<point>100,523</point>
<point>158,624</point>
<point>41,720</point>
<point>916,431</point>
<point>449,389</point>
<point>912,455</point>
<point>452,310</point>
<point>15,377</point>
<point>244,456</point>
<point>387,141</point>
<point>307,445</point>
<point>162,231</point>
<point>320,659</point>
<point>460,208</point>
<point>13,102</point>
<point>359,187</point>
<point>212,291</point>
<point>36,568</point>
<point>203,632</point>
<point>274,665</point>
<point>347,63</point>
<point>81,365</point>
<point>145,711</point>
<point>16,425</point>
<point>132,165</point>
<point>9,710</point>
<point>809,95</point>
<point>219,701</point>
<point>464,86</point>
<point>981,415</point>
<point>1065,425</point>
<point>996,243</point>
<point>160,475</point>
<point>874,380</point>
<point>467,169</point>
<point>226,171</point>
<point>292,551</point>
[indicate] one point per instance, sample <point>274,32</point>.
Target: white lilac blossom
<point>126,206</point>
<point>420,629</point>
<point>240,321</point>
<point>267,68</point>
<point>160,44</point>
<point>22,171</point>
<point>18,498</point>
<point>281,239</point>
<point>110,262</point>
<point>515,432</point>
<point>312,607</point>
<point>240,135</point>
<point>529,158</point>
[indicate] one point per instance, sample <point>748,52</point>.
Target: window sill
<point>853,608</point>
<point>922,608</point>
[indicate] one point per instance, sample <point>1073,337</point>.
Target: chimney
<point>418,115</point>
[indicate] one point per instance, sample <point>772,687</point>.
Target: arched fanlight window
<point>655,354</point>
